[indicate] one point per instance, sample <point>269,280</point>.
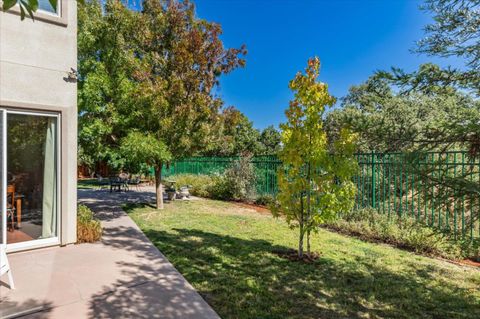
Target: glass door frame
<point>36,243</point>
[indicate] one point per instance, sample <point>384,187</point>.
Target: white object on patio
<point>5,267</point>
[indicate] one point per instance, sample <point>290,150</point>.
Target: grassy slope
<point>225,251</point>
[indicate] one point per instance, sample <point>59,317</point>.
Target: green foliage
<point>431,109</point>
<point>404,232</point>
<point>89,229</point>
<point>174,98</point>
<point>234,135</point>
<point>105,37</point>
<point>139,148</point>
<point>315,181</point>
<point>454,31</point>
<point>153,72</point>
<point>270,141</point>
<point>265,200</point>
<point>236,183</point>
<point>401,122</point>
<point>199,185</point>
<point>240,179</point>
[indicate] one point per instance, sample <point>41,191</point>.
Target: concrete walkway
<point>124,276</point>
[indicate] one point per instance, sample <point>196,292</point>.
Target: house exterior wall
<point>35,58</point>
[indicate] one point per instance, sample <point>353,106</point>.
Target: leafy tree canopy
<point>152,72</point>
<point>390,121</point>
<point>453,33</point>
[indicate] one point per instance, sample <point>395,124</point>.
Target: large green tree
<point>178,61</point>
<point>105,84</point>
<point>234,135</point>
<point>152,72</point>
<point>270,141</point>
<point>388,121</point>
<point>315,182</point>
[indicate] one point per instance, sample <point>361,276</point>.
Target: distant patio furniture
<point>118,184</point>
<point>184,192</point>
<point>5,267</point>
<point>171,190</point>
<point>102,182</point>
<point>135,182</point>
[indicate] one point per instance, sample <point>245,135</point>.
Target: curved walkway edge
<point>123,276</point>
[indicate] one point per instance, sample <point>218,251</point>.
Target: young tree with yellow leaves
<point>315,182</point>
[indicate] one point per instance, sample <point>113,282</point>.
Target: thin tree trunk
<point>308,242</point>
<point>301,228</point>
<point>158,187</point>
<point>300,241</point>
<point>309,185</point>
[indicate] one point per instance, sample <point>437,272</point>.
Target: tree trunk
<point>308,242</point>
<point>158,187</point>
<point>301,228</point>
<point>309,214</point>
<point>300,241</point>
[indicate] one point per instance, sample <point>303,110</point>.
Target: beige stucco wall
<point>35,58</point>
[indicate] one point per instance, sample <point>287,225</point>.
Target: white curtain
<point>49,207</point>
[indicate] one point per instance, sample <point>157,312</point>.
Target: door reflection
<point>32,177</point>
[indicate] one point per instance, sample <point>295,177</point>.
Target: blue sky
<point>353,38</point>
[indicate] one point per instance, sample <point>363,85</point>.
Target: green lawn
<point>227,253</point>
<point>89,183</point>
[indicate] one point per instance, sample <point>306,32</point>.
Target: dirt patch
<point>468,262</point>
<point>292,255</point>
<point>256,208</point>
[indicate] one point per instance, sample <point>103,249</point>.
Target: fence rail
<point>438,189</point>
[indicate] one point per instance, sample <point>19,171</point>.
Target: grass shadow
<point>243,278</point>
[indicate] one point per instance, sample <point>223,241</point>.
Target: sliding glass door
<point>30,179</point>
<point>3,175</point>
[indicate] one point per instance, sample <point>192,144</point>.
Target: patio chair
<point>5,267</point>
<point>135,182</point>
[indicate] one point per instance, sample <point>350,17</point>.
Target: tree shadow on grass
<point>244,279</point>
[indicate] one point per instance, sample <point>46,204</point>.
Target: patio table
<point>118,185</point>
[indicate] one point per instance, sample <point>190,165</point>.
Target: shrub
<point>89,229</point>
<point>199,185</point>
<point>239,179</point>
<point>236,183</point>
<point>404,232</point>
<point>220,188</point>
<point>264,200</point>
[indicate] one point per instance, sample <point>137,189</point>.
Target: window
<point>45,5</point>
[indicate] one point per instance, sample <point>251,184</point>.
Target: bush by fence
<point>438,189</point>
<point>265,168</point>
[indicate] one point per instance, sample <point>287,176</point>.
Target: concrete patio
<point>123,276</point>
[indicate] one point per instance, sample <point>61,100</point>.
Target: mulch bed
<point>292,255</point>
